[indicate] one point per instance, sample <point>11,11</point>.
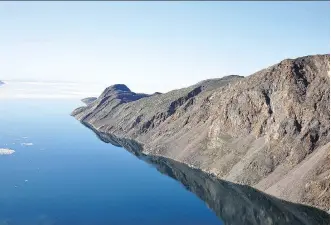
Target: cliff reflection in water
<point>233,203</point>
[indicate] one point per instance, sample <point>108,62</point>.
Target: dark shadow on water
<point>234,204</point>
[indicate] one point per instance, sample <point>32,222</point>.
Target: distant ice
<point>6,151</point>
<point>49,90</point>
<point>27,144</point>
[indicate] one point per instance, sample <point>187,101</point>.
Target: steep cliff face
<point>269,130</point>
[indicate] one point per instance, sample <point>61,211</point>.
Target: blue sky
<point>155,46</point>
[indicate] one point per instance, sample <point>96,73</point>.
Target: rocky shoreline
<point>269,130</point>
<point>233,203</point>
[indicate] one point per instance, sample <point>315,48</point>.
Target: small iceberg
<point>6,151</point>
<point>27,144</point>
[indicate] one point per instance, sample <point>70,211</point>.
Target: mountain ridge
<point>269,130</point>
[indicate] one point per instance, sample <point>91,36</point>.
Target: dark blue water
<point>68,176</point>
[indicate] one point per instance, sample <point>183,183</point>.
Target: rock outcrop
<point>269,130</point>
<point>89,100</point>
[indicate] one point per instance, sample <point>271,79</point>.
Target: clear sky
<point>155,46</point>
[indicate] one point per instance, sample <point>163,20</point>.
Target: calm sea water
<point>66,175</point>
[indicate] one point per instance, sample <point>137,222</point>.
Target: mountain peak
<point>119,87</point>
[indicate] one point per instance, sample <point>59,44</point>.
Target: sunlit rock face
<point>269,130</point>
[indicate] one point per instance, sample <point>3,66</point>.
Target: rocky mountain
<point>269,130</point>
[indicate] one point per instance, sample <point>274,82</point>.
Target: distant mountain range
<point>88,100</point>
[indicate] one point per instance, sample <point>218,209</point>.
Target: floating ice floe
<point>6,151</point>
<point>27,144</point>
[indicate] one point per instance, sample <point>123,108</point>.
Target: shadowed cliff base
<point>234,204</point>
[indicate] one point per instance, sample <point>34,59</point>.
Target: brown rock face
<point>269,130</point>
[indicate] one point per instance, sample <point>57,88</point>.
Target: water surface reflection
<point>233,203</point>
